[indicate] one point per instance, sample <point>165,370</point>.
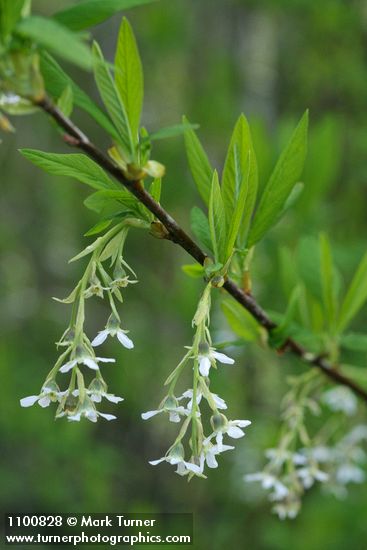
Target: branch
<point>76,138</point>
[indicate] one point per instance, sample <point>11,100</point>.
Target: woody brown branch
<point>76,138</point>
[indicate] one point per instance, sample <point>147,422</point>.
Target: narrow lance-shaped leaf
<point>75,165</point>
<point>56,80</point>
<point>101,199</point>
<point>129,75</point>
<point>10,12</point>
<point>284,177</point>
<point>112,101</point>
<point>200,227</point>
<point>65,101</point>
<point>235,170</point>
<point>217,220</point>
<point>171,131</point>
<point>241,321</point>
<point>355,297</point>
<point>200,167</point>
<point>237,217</point>
<point>57,38</point>
<point>91,12</point>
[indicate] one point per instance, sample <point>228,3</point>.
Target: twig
<point>76,138</point>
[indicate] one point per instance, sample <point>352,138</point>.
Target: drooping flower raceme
<point>300,461</point>
<point>201,450</point>
<point>78,358</point>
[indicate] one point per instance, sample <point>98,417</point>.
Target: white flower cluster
<point>203,449</point>
<point>79,401</point>
<point>289,472</point>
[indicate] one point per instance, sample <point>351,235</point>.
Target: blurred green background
<point>210,60</point>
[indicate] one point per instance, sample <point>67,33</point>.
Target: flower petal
<point>210,460</point>
<point>192,467</point>
<point>106,359</point>
<point>44,401</point>
<point>235,432</point>
<point>150,414</point>
<point>113,398</point>
<point>29,401</point>
<point>100,338</point>
<point>107,416</point>
<point>89,362</point>
<point>155,462</point>
<point>124,339</point>
<point>204,365</point>
<point>68,366</point>
<point>241,423</point>
<point>174,417</point>
<point>222,358</point>
<point>221,404</point>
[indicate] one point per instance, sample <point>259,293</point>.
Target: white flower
<point>122,282</point>
<point>209,453</point>
<point>86,409</point>
<point>49,392</point>
<point>82,356</point>
<point>357,434</point>
<point>269,481</point>
<point>320,453</point>
<point>279,456</point>
<point>208,356</point>
<point>95,288</point>
<point>287,509</point>
<point>350,473</point>
<point>223,426</point>
<point>113,329</point>
<point>309,474</point>
<point>169,405</point>
<point>341,399</point>
<point>176,457</point>
<point>188,394</point>
<point>96,394</point>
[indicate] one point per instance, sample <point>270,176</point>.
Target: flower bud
<point>218,421</point>
<point>177,451</point>
<point>217,281</point>
<point>204,348</point>
<point>170,403</point>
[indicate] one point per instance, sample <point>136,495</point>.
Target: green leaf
<point>65,101</point>
<point>77,166</point>
<point>129,75</point>
<point>327,279</point>
<point>237,217</point>
<point>217,220</point>
<point>354,341</point>
<point>53,36</point>
<point>98,228</point>
<point>112,247</point>
<point>112,101</point>
<point>241,321</point>
<point>281,333</point>
<point>10,13</point>
<point>200,167</point>
<point>171,131</point>
<point>284,177</point>
<point>101,199</point>
<point>56,80</point>
<point>236,169</point>
<point>200,227</point>
<point>91,12</point>
<point>355,297</point>
<point>194,270</point>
